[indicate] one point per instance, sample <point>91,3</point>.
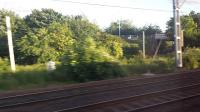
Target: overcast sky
<point>104,15</point>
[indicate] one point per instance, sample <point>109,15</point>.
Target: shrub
<point>162,65</point>
<point>4,66</point>
<point>93,71</point>
<point>130,50</point>
<point>138,65</point>
<point>191,58</point>
<point>88,62</point>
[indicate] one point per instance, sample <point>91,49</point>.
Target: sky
<point>140,12</point>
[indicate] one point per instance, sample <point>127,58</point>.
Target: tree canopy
<point>43,18</point>
<point>18,29</point>
<point>46,43</point>
<point>47,35</point>
<point>126,28</point>
<point>189,24</point>
<point>81,27</point>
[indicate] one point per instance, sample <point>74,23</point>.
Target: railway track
<point>142,102</point>
<point>57,98</point>
<point>74,91</point>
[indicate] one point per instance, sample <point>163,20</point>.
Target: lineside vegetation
<point>83,52</point>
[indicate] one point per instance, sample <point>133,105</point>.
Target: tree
<point>43,18</point>
<point>187,24</point>
<point>45,43</point>
<point>191,33</point>
<point>113,44</point>
<point>151,29</point>
<point>82,28</point>
<point>132,47</point>
<point>196,18</point>
<point>18,30</point>
<point>126,28</point>
<point>87,62</point>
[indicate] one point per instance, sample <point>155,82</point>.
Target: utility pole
<point>177,33</point>
<point>143,35</point>
<point>10,44</point>
<point>119,28</point>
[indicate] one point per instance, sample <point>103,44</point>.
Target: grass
<point>31,76</point>
<point>138,65</point>
<point>24,76</point>
<point>28,76</point>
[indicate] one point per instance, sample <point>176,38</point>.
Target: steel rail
<point>99,83</point>
<point>86,93</point>
<point>117,101</point>
<point>109,89</point>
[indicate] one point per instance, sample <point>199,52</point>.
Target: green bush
<point>4,66</point>
<point>88,62</point>
<point>93,71</point>
<point>191,58</point>
<point>138,65</point>
<point>161,65</point>
<point>130,50</point>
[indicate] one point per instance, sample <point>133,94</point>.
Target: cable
<point>105,5</point>
<point>182,3</point>
<point>113,6</point>
<point>193,1</point>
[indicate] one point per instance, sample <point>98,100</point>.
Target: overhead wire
<point>182,3</point>
<point>193,1</point>
<point>118,6</point>
<point>112,6</point>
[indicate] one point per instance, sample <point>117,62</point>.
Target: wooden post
<point>157,49</point>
